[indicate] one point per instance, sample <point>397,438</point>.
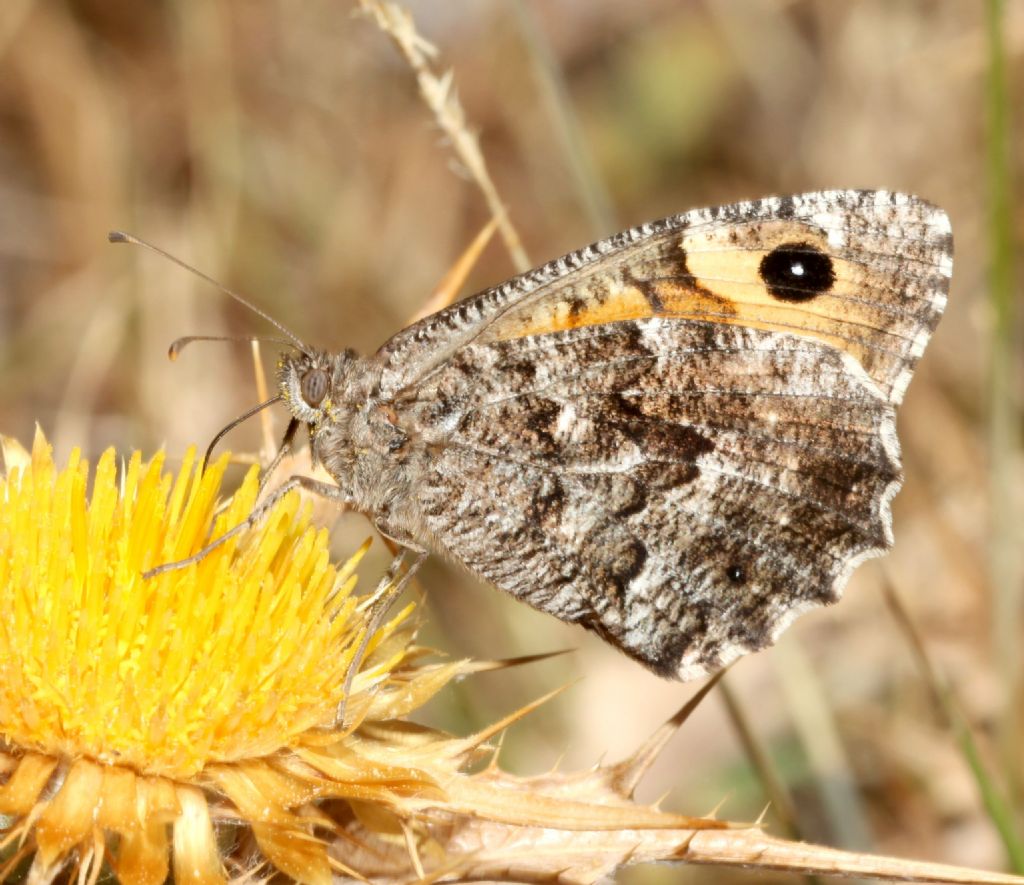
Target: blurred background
<point>283,148</point>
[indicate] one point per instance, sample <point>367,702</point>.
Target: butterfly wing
<point>889,256</point>
<point>686,436</point>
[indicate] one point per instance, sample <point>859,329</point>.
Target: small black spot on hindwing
<point>736,574</point>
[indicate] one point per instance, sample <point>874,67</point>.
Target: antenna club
<point>178,345</point>
<point>117,236</point>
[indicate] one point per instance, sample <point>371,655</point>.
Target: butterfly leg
<point>401,539</point>
<point>314,486</point>
<point>282,452</point>
<point>391,586</point>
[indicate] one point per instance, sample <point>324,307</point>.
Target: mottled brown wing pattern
<point>682,488</point>
<point>683,436</point>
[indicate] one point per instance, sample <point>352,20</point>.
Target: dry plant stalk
<point>580,827</point>
<point>439,95</point>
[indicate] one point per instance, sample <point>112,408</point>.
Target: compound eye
<point>314,387</point>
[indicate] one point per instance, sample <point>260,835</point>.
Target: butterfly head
<point>309,382</point>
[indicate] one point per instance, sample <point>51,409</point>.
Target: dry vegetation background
<point>282,148</point>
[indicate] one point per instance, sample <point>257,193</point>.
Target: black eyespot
<point>314,387</point>
<point>736,574</point>
<point>797,272</point>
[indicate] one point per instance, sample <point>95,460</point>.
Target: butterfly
<point>680,437</point>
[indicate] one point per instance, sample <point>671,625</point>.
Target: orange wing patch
<point>773,275</point>
<point>632,300</point>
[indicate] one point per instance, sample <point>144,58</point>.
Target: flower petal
<point>21,792</point>
<point>118,808</point>
<point>67,820</point>
<point>299,855</point>
<point>195,845</point>
<point>259,793</point>
<point>142,859</point>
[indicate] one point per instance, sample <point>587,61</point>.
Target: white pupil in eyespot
<point>797,268</point>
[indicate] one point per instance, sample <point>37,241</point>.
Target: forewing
<point>890,255</point>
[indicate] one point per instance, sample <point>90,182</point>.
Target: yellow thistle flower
<point>187,723</point>
<point>129,704</point>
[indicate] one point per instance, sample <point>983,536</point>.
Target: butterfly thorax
<point>352,433</point>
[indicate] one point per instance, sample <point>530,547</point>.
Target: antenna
<point>117,236</point>
<point>179,344</point>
